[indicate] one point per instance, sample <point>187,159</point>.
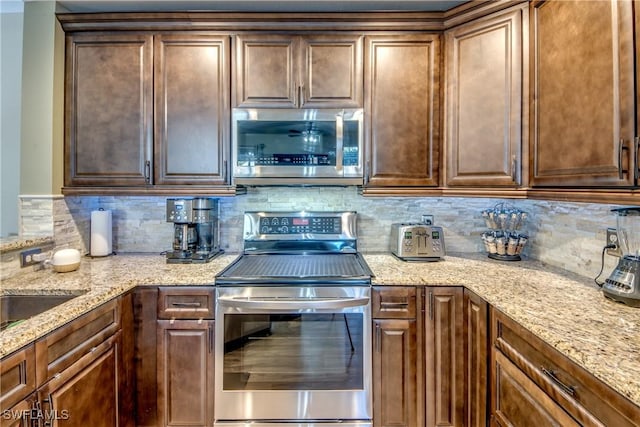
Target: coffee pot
<point>195,230</point>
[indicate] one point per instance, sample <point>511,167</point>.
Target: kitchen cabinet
<point>485,63</point>
<point>444,354</point>
<point>395,356</point>
<point>583,112</point>
<point>147,112</point>
<point>108,109</point>
<point>402,113</point>
<point>533,383</point>
<point>476,357</point>
<point>86,393</point>
<point>290,71</point>
<point>145,316</point>
<point>185,356</point>
<point>76,375</point>
<point>192,114</point>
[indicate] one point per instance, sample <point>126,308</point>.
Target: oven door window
<point>306,351</point>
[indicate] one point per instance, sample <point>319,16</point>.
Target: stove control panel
<point>299,225</point>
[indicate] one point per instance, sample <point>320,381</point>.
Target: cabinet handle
<point>431,305</point>
<point>210,339</point>
<point>224,171</point>
<point>378,338</point>
<point>570,390</point>
<point>302,95</point>
<point>147,171</point>
<point>636,148</point>
<point>34,415</point>
<point>514,165</point>
<point>394,305</point>
<point>621,147</point>
<point>367,167</point>
<point>50,414</point>
<point>186,304</point>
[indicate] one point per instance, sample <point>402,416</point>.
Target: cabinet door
<point>185,373</point>
<point>518,401</point>
<point>444,350</point>
<point>583,115</point>
<point>402,104</point>
<point>108,109</point>
<point>484,98</point>
<point>19,415</point>
<point>86,393</point>
<point>331,71</point>
<point>394,373</point>
<point>266,71</point>
<point>476,327</point>
<point>191,109</point>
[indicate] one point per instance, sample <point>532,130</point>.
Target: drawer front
<point>186,303</point>
<point>393,302</point>
<point>67,344</point>
<point>17,376</point>
<point>582,395</point>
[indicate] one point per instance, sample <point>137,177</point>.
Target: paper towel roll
<point>101,237</point>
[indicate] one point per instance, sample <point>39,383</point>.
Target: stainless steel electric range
<point>293,325</point>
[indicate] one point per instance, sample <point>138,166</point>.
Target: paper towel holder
<point>101,233</point>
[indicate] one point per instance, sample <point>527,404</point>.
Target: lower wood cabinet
<point>532,384</point>
<point>174,356</point>
<point>85,394</point>
<point>476,359</point>
<point>444,356</point>
<point>395,357</point>
<point>78,375</point>
<point>185,373</point>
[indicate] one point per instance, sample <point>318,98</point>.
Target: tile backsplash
<point>567,235</point>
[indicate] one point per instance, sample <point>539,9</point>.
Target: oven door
<point>293,353</point>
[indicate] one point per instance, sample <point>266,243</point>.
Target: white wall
<point>11,25</point>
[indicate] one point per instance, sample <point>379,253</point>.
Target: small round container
<point>65,260</point>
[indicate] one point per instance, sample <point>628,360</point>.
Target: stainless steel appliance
<point>417,242</point>
<point>297,146</point>
<point>195,230</point>
<point>623,284</point>
<point>293,325</point>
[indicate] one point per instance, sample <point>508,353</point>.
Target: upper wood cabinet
<point>583,114</point>
<point>402,116</point>
<point>484,100</point>
<point>109,109</point>
<point>298,71</point>
<point>147,111</point>
<point>191,109</point>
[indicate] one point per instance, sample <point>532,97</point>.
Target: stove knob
<point>285,229</point>
<point>265,230</point>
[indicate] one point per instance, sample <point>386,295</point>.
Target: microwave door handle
<point>294,303</point>
<point>339,141</point>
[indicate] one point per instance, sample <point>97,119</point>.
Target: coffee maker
<point>195,230</point>
<point>623,285</point>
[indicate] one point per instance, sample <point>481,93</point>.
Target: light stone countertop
<point>567,311</point>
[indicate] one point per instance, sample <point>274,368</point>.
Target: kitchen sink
<point>16,308</point>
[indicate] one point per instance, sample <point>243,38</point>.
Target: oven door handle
<point>293,304</point>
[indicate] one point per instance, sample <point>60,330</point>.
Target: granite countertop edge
<point>565,310</point>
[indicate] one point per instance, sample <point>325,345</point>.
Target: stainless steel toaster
<point>417,242</point>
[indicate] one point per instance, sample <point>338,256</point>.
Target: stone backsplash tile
<point>566,235</point>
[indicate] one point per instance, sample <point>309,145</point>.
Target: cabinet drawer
<point>67,344</point>
<point>17,376</point>
<point>393,302</point>
<point>186,303</point>
<point>583,396</point>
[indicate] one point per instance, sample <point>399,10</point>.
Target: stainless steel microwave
<point>297,146</point>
